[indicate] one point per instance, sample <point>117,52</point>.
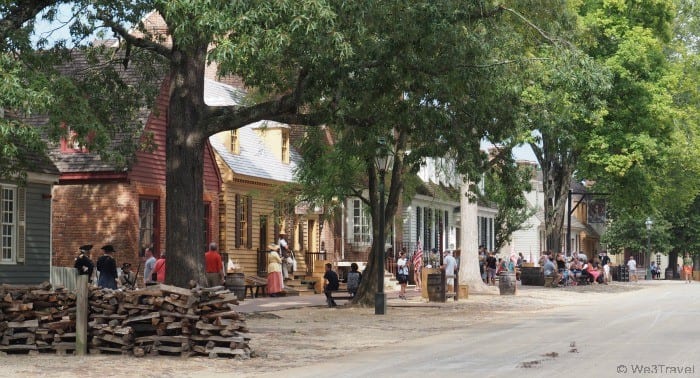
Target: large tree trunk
<point>184,216</point>
<point>469,258</point>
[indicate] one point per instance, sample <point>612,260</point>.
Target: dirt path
<point>301,337</point>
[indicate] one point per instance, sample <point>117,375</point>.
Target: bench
<point>257,283</point>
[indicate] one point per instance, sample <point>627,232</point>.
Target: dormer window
<point>70,142</point>
<point>285,146</point>
<point>235,146</point>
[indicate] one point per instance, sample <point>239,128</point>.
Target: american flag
<point>418,256</point>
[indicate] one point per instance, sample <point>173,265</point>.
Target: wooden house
<point>97,203</point>
<point>256,163</point>
<point>25,225</point>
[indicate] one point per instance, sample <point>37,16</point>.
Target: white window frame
<point>8,224</point>
<point>361,229</point>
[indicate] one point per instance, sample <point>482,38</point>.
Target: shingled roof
<point>255,160</point>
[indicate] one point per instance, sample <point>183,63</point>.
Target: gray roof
<point>220,94</point>
<point>255,160</point>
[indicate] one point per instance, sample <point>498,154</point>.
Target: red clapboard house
<point>96,203</point>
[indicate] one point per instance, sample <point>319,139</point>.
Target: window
<point>234,146</point>
<point>11,224</point>
<point>486,236</point>
<point>244,221</point>
<point>207,223</point>
<point>361,227</point>
<point>70,143</point>
<point>148,224</point>
<point>285,146</point>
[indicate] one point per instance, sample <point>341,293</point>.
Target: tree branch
<point>23,11</point>
<point>133,40</point>
<point>552,40</point>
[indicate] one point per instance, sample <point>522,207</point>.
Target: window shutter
<point>237,225</point>
<point>21,224</point>
<point>249,223</point>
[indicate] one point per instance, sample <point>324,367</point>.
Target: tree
<point>433,80</point>
<point>273,47</point>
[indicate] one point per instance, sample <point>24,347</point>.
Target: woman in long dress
<point>687,268</point>
<point>274,271</point>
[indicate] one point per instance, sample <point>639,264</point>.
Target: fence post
<point>81,315</point>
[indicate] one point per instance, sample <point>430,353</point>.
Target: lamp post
<point>649,223</point>
<point>383,161</point>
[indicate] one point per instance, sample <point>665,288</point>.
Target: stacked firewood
<point>36,318</point>
<point>167,320</point>
<point>157,320</point>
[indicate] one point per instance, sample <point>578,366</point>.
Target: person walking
<point>402,273</point>
<point>214,267</point>
<point>632,266</point>
<point>687,267</point>
<point>491,266</point>
<point>107,267</point>
<point>274,271</point>
<point>285,255</point>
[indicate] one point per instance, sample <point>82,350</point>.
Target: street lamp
<point>649,223</point>
<point>383,160</point>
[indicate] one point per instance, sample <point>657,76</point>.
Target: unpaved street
<point>297,342</point>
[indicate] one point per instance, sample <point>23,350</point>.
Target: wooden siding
<point>149,168</point>
<point>36,267</point>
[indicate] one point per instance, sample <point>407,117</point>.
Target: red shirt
<point>212,262</point>
<point>159,270</point>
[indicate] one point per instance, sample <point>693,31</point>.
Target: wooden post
<point>81,315</point>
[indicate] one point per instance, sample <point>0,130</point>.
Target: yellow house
<point>257,162</point>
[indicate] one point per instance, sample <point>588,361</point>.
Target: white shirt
<point>401,263</point>
<point>632,265</point>
<point>450,265</point>
<point>148,268</point>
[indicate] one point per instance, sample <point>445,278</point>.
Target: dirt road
<point>302,337</point>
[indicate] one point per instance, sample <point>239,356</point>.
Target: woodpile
<point>36,319</point>
<point>157,320</point>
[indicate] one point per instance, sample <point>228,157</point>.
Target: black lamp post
<point>384,159</point>
<point>649,223</point>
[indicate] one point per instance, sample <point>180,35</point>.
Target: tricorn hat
<point>273,247</point>
<point>126,265</point>
<point>108,248</point>
<point>86,247</point>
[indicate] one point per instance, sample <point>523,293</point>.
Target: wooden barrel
<point>532,276</point>
<point>236,283</point>
<point>507,283</point>
<point>435,293</point>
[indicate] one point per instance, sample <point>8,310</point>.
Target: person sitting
<point>575,270</point>
<point>593,271</point>
<point>330,285</point>
<point>354,278</point>
<point>561,268</point>
<point>550,272</point>
<point>585,277</point>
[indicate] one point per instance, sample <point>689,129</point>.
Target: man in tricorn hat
<point>107,267</point>
<point>128,278</point>
<point>83,263</point>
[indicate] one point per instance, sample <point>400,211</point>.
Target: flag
<point>418,256</point>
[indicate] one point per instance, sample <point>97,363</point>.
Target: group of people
<point>579,269</point>
<point>106,268</point>
<point>490,266</point>
<point>109,277</point>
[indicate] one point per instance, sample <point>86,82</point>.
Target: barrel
<point>623,273</point>
<point>506,283</point>
<point>236,283</point>
<point>435,293</point>
<point>531,276</point>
